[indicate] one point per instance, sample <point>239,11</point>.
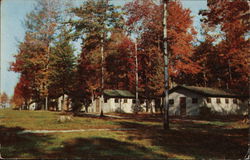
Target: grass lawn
<point>187,138</point>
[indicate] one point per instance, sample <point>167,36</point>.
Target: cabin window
<point>194,100</point>
<point>125,101</point>
<point>235,101</point>
<point>134,101</point>
<point>226,100</point>
<point>105,100</point>
<point>217,100</point>
<point>208,100</point>
<point>171,101</point>
<point>116,100</point>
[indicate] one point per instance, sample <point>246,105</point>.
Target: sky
<point>13,13</point>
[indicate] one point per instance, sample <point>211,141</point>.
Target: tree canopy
<point>229,66</point>
<point>113,38</point>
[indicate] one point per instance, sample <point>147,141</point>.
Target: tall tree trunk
<point>67,103</point>
<point>151,107</point>
<point>230,73</point>
<point>62,104</point>
<point>86,109</point>
<point>46,102</point>
<point>46,85</point>
<point>102,76</point>
<point>204,75</point>
<point>25,105</point>
<point>136,76</point>
<point>147,105</point>
<point>161,106</point>
<point>166,76</point>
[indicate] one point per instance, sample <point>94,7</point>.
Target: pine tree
<point>95,21</point>
<point>62,65</point>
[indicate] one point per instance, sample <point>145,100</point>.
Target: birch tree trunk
<point>166,76</point>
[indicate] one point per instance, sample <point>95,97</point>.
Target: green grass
<point>47,120</point>
<point>187,139</point>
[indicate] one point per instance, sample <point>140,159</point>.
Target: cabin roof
<point>205,91</point>
<point>118,93</point>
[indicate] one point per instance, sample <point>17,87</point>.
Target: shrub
<point>136,109</point>
<point>119,110</point>
<point>205,112</point>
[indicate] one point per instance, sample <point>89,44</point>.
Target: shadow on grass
<point>15,145</point>
<point>102,148</point>
<point>194,140</point>
<point>221,118</point>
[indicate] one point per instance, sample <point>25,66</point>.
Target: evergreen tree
<point>62,65</point>
<point>94,23</point>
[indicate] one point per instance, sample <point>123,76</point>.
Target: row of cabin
<point>183,100</point>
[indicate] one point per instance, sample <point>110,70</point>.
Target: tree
<point>62,65</point>
<point>119,62</point>
<point>166,61</point>
<point>204,55</point>
<point>4,99</point>
<point>42,24</point>
<point>230,18</point>
<point>29,62</point>
<point>95,21</point>
<point>22,94</point>
<point>144,13</point>
<point>145,17</point>
<point>34,56</point>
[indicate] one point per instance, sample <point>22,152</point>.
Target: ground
<point>143,139</point>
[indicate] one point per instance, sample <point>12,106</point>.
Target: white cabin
<point>121,101</point>
<point>188,100</point>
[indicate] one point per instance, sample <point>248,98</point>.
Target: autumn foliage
<point>4,99</point>
<point>120,63</point>
<point>145,20</point>
<point>229,66</point>
<point>48,67</point>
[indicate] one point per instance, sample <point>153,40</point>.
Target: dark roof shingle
<point>118,93</point>
<point>205,91</point>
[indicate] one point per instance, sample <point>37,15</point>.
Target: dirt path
<point>74,130</point>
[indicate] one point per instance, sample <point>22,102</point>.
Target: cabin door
<point>97,105</point>
<point>183,108</point>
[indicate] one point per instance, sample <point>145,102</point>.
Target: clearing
<point>145,139</point>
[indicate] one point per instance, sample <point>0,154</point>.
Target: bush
<point>119,110</point>
<point>205,112</point>
<point>136,109</point>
